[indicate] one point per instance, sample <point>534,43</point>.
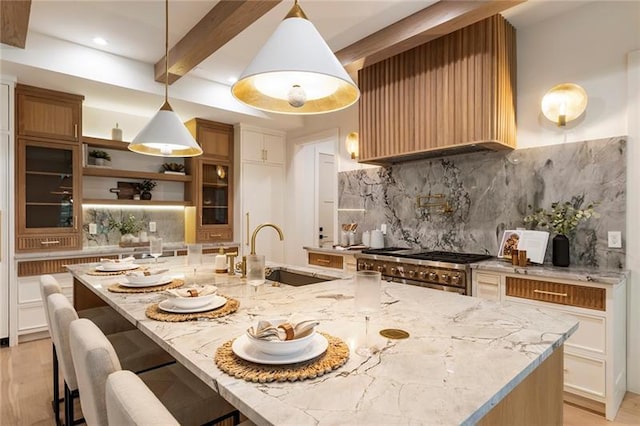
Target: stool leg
<point>68,406</point>
<point>56,384</point>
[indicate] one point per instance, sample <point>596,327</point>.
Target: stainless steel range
<point>441,270</point>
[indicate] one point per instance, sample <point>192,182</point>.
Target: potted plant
<point>145,189</point>
<point>126,226</point>
<point>173,168</point>
<point>562,219</point>
<point>99,157</point>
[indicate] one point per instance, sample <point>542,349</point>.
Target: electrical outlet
<point>152,227</point>
<point>93,228</point>
<point>615,239</point>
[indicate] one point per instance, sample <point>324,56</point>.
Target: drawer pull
<point>550,293</point>
<point>323,261</point>
<point>46,243</point>
<point>215,235</point>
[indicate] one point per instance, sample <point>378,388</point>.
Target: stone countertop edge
<point>109,250</point>
<point>576,273</point>
<point>331,250</point>
<point>519,378</point>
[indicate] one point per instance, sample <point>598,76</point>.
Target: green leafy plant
<point>128,225</point>
<point>172,167</point>
<point>100,154</point>
<point>563,218</point>
<point>146,185</point>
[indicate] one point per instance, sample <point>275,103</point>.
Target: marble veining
<point>489,192</point>
<point>445,373</point>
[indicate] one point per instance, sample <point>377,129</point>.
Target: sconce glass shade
<point>564,103</point>
<point>353,147</point>
<point>295,72</point>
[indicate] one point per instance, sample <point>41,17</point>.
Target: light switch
<point>93,228</point>
<point>152,227</point>
<point>615,239</point>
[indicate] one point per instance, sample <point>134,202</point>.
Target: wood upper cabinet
<point>42,113</point>
<point>211,188</point>
<point>456,92</point>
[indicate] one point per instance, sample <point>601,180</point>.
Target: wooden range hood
<point>452,95</point>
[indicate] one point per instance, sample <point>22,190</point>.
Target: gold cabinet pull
<point>75,130</point>
<point>550,293</point>
<point>215,235</point>
<point>323,261</point>
<point>46,243</point>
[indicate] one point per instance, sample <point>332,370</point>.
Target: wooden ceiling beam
<point>15,22</point>
<point>225,20</point>
<point>434,21</point>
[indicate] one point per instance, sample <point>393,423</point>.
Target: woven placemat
<point>109,273</point>
<point>117,288</point>
<point>334,357</point>
<point>154,312</point>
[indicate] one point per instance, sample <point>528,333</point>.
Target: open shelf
<point>106,143</point>
<point>136,202</point>
<point>132,174</point>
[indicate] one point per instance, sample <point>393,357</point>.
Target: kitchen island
<point>467,360</point>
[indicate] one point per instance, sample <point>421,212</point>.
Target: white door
<point>262,193</point>
<point>326,207</point>
<point>252,146</point>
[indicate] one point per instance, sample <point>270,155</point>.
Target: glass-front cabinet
<point>48,187</point>
<point>216,210</point>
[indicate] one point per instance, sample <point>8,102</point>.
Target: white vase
<point>99,161</point>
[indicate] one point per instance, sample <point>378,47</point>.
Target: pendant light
<point>295,72</point>
<point>165,135</point>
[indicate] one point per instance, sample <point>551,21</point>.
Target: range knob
<point>412,273</point>
<point>422,275</point>
<point>455,279</point>
<point>433,276</point>
<point>381,268</point>
<point>445,277</point>
<point>400,270</point>
<point>393,270</point>
<point>368,266</point>
<point>360,266</point>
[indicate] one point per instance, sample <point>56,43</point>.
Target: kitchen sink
<point>293,278</point>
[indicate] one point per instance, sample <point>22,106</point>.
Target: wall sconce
<point>353,145</point>
<point>564,103</point>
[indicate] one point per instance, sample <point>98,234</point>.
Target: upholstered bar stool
<point>185,396</point>
<point>130,402</point>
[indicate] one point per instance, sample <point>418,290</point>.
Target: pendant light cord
<point>166,51</point>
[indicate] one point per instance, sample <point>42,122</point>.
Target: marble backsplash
<point>169,224</point>
<point>490,192</point>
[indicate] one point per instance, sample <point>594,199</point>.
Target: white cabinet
<point>595,355</point>
<point>31,316</point>
<point>260,188</point>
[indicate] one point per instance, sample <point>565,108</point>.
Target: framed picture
<point>534,242</point>
<point>510,242</point>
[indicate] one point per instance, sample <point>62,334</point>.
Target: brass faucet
<point>258,228</point>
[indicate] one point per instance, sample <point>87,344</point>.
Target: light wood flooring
<point>25,391</point>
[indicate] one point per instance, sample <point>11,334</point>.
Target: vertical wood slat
<point>456,89</point>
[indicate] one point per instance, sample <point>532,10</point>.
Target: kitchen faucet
<point>243,265</point>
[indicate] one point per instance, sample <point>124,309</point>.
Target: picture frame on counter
<point>534,242</point>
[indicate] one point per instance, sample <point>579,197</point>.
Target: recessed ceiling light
<point>232,79</point>
<point>100,41</point>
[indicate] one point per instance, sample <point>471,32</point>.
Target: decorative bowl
<point>188,302</point>
<point>146,279</point>
<point>282,347</point>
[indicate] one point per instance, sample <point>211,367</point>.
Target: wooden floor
<point>25,391</point>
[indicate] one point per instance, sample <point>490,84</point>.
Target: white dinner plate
<point>117,268</point>
<point>217,302</point>
<point>162,280</point>
<point>243,348</point>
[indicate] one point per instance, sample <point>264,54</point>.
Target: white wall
<point>589,46</point>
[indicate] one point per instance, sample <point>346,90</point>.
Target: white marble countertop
<point>331,250</point>
<point>108,250</point>
<point>463,356</point>
<point>575,273</point>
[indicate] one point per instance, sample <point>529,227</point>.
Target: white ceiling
<point>135,30</point>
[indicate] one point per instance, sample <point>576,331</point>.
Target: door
<point>325,201</point>
<point>263,203</point>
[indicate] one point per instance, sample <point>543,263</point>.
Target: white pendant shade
<point>165,136</point>
<point>295,72</point>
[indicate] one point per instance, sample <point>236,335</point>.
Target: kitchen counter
<point>463,356</point>
<point>331,250</point>
<point>575,273</point>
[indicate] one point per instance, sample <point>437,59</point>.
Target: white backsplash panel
<point>467,201</point>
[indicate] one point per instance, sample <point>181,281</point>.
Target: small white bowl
<point>116,266</point>
<point>146,279</point>
<point>191,302</point>
<point>282,347</point>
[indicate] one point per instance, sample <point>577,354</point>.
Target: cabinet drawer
<point>488,286</point>
<point>591,334</point>
<point>215,235</point>
<point>326,260</point>
<point>584,375</point>
<point>47,243</point>
<point>559,293</point>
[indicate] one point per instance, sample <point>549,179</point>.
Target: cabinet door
<point>274,149</point>
<point>48,197</point>
<point>252,145</point>
<point>487,286</point>
<point>216,142</point>
<point>214,203</point>
<point>45,117</point>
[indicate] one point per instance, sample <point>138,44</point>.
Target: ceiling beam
<point>434,21</point>
<point>15,22</point>
<point>225,20</point>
